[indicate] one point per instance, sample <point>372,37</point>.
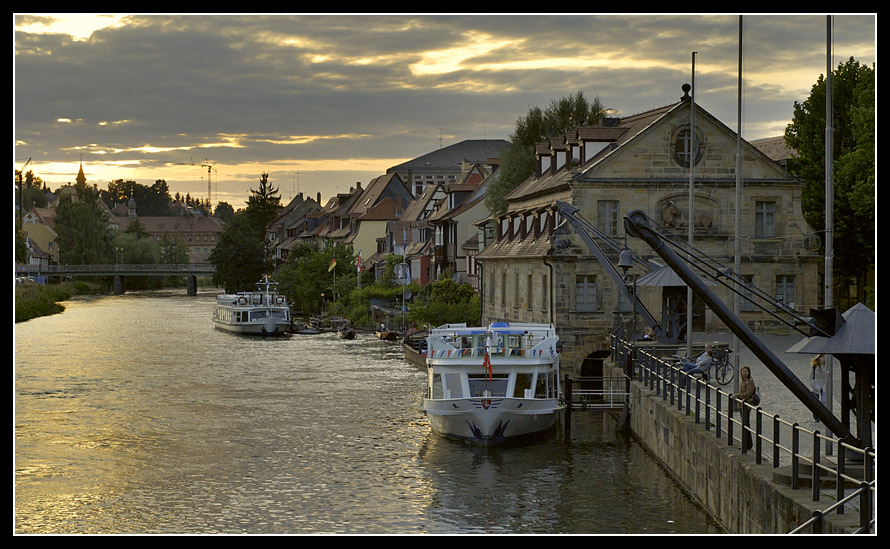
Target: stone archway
<point>592,367</point>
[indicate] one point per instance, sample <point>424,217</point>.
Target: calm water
<point>134,415</point>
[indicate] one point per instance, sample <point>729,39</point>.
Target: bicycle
<point>721,365</point>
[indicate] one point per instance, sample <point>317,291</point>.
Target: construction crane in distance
<point>207,164</point>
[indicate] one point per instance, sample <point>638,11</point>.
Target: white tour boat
<point>492,384</point>
<point>263,312</point>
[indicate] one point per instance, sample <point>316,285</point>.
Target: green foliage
<point>224,211</point>
<point>35,300</point>
<point>150,201</point>
<point>308,280</point>
<point>135,249</point>
<point>82,226</point>
<point>853,100</point>
<point>239,256</point>
<point>448,302</point>
<point>174,249</point>
<point>32,192</point>
<point>518,160</point>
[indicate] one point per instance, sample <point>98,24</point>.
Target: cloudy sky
<point>323,101</point>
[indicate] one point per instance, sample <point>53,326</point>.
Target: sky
<point>321,102</point>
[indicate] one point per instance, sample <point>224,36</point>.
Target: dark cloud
<point>284,90</point>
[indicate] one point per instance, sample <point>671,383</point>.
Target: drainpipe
<point>550,300</point>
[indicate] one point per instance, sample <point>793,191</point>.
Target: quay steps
<point>783,475</point>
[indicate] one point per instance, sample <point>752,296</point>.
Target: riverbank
<point>35,300</point>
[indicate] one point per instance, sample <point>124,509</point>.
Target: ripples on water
<point>133,415</point>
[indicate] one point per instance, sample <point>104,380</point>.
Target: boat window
<point>452,386</point>
<point>479,383</point>
<point>546,386</point>
<point>436,386</point>
<point>523,382</point>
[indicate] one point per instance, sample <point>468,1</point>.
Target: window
<point>607,216</point>
<point>785,290</point>
<point>585,293</point>
<point>516,289</point>
<point>625,303</point>
<point>684,148</point>
<point>531,293</point>
<point>479,384</point>
<point>764,219</point>
<point>545,293</point>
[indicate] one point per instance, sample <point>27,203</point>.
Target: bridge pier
<point>120,285</point>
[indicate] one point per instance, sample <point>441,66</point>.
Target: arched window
<point>684,148</point>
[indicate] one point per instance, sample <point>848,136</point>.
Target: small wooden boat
<point>415,347</point>
<point>387,335</point>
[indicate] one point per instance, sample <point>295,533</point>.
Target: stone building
<point>535,268</point>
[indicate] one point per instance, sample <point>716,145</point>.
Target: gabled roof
<point>416,208</point>
<point>389,184</point>
<point>450,157</point>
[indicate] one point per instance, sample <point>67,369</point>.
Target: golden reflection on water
<point>133,415</point>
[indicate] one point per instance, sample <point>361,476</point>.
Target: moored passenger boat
<point>492,384</point>
<point>263,312</point>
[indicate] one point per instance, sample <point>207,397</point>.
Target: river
<point>133,415</point>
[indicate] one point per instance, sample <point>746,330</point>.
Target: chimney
<point>318,197</point>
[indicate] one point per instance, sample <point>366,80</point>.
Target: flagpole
<point>691,220</point>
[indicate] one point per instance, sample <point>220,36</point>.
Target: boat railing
<point>544,349</point>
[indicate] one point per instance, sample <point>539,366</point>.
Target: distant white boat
<point>492,384</point>
<point>263,312</point>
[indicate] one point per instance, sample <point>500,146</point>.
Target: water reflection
<point>133,415</point>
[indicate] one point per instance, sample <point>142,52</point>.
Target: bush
<point>36,300</point>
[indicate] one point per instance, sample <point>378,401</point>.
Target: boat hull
<point>492,420</point>
<point>264,327</point>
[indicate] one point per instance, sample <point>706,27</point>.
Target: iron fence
<point>772,439</point>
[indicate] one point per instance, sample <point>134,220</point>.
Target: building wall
<point>643,174</point>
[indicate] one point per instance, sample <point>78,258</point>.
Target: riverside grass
<point>35,300</point>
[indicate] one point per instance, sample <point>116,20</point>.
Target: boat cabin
<point>523,358</point>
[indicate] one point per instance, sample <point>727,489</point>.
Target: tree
<point>241,256</point>
<point>82,226</point>
<point>307,274</point>
<point>518,160</point>
<point>154,200</point>
<point>853,100</point>
<point>263,203</point>
<point>224,211</point>
<point>32,191</point>
<point>448,302</point>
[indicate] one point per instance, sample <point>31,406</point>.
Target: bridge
<point>121,270</point>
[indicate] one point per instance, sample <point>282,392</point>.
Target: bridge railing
<point>715,409</point>
<point>119,268</point>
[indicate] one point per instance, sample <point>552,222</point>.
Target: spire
<point>81,178</point>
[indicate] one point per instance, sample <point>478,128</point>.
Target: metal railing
<point>595,393</point>
<point>716,409</point>
<point>159,269</point>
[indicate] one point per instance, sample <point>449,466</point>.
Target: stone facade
<point>537,269</point>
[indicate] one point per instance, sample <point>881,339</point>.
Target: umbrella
<point>856,336</point>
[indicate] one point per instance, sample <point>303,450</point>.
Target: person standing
<point>747,388</point>
<point>817,379</point>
